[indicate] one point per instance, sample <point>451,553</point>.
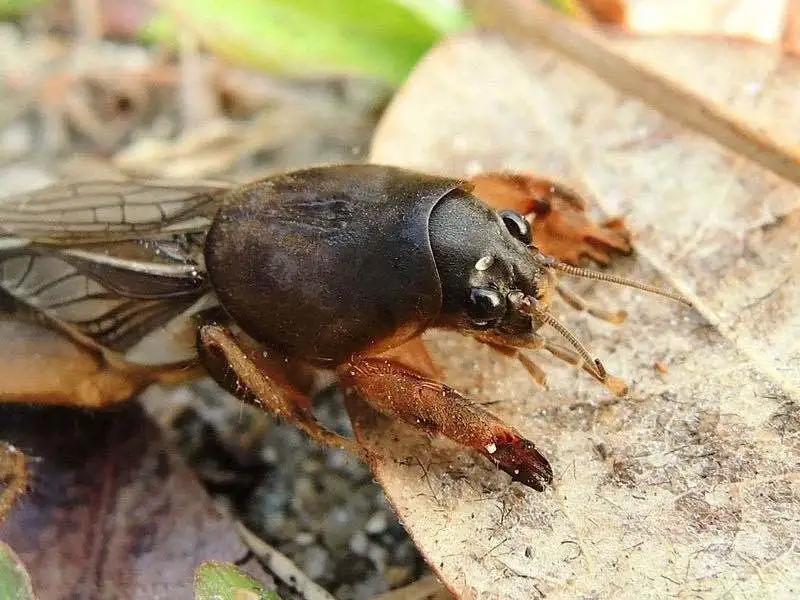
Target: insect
<point>339,267</point>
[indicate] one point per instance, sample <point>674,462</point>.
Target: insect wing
<point>111,260</point>
<point>99,211</point>
<point>111,300</point>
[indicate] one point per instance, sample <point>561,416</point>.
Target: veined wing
<point>101,211</point>
<point>114,293</point>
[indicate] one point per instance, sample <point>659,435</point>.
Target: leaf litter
<point>690,484</point>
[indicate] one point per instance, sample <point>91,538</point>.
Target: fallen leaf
<point>689,485</point>
<point>111,512</point>
<point>750,18</point>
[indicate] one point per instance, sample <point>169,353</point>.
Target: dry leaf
<point>751,18</point>
<point>111,512</point>
<point>689,485</point>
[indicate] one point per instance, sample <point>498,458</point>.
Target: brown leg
<point>535,371</point>
<point>534,342</point>
<point>402,393</point>
<point>613,384</point>
<point>561,227</point>
<point>575,301</point>
<point>13,477</point>
<point>500,343</point>
<point>414,355</point>
<point>258,378</point>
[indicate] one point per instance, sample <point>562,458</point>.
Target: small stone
<point>370,587</point>
<point>353,568</point>
<point>377,523</point>
<point>314,562</point>
<point>304,538</point>
<point>378,555</point>
<point>337,527</point>
<point>359,542</point>
<point>269,455</point>
<point>279,527</point>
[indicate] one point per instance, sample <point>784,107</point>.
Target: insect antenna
<point>554,263</point>
<point>549,319</point>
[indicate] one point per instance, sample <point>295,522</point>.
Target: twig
<point>427,588</point>
<point>198,102</point>
<point>281,567</point>
<point>790,39</point>
<point>525,20</point>
<point>88,23</point>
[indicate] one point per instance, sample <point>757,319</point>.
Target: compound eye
<point>517,226</point>
<point>486,306</point>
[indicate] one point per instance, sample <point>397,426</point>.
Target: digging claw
<point>519,458</point>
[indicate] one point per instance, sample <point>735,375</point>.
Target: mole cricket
<point>338,267</point>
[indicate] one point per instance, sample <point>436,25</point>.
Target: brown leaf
<point>755,19</point>
<point>111,512</point>
<point>690,484</point>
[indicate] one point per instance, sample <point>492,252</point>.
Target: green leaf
<point>224,581</point>
<point>16,8</point>
<point>15,583</point>
<point>378,38</point>
<point>444,15</point>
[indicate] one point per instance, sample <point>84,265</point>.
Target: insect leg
<point>414,354</point>
<point>578,303</point>
<point>13,477</point>
<point>614,384</point>
<point>246,371</point>
<point>561,227</point>
<point>436,408</point>
<point>538,374</point>
<point>499,343</point>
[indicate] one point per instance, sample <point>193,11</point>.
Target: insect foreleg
<point>399,392</point>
